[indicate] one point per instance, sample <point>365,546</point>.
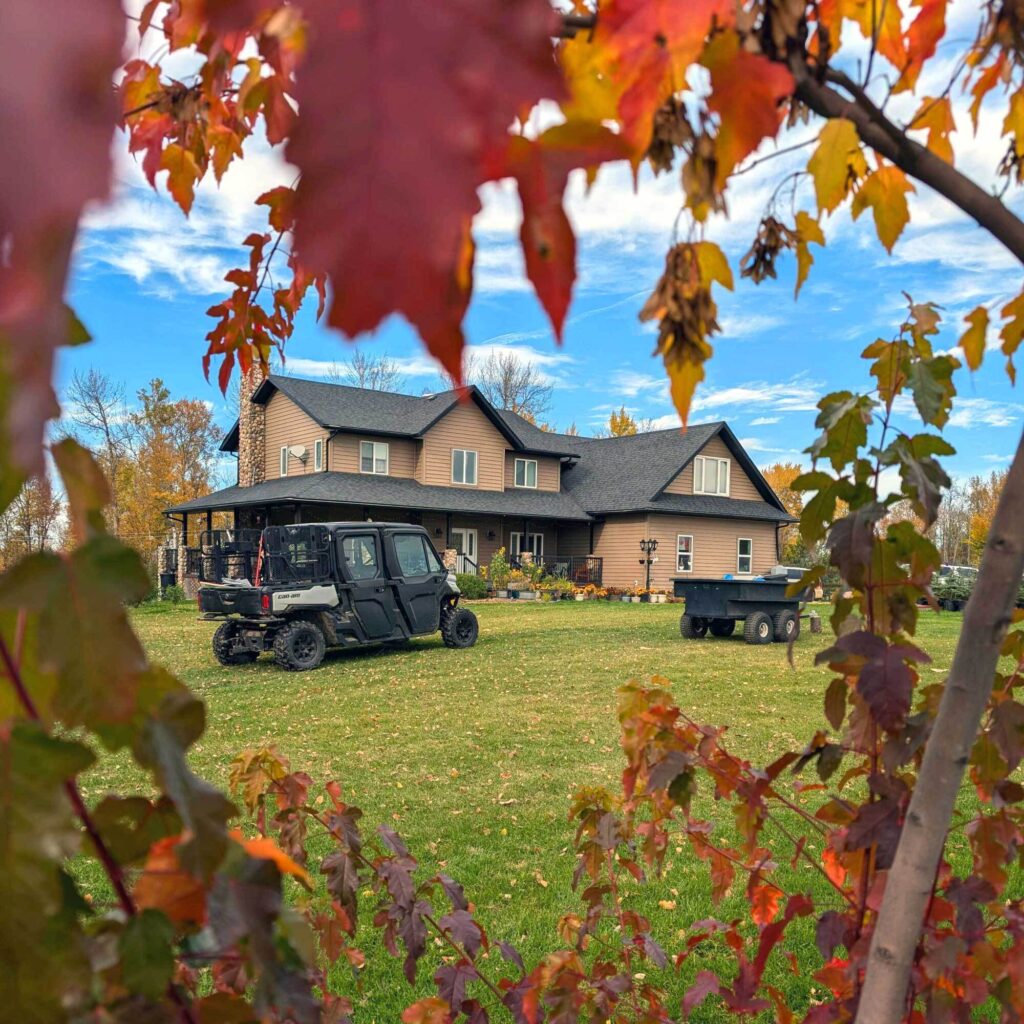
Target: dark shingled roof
<point>392,492</point>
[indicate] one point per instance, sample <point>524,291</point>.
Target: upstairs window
<point>684,553</point>
<point>463,466</point>
<point>526,473</point>
<point>373,457</point>
<point>284,460</point>
<point>744,555</point>
<point>710,476</point>
<point>318,454</point>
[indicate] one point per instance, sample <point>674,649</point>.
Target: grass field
<point>472,755</point>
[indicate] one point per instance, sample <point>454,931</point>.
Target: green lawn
<point>472,755</point>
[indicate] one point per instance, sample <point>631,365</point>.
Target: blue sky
<point>145,276</point>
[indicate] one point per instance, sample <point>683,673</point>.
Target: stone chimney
<point>252,432</point>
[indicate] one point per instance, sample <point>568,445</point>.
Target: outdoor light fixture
<point>490,535</point>
<point>648,547</point>
<point>437,531</point>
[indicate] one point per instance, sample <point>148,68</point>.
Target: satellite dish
<point>299,452</point>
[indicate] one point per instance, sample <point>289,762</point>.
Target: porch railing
<point>578,569</point>
<point>463,563</point>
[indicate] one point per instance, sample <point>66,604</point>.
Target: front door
<point>532,542</point>
<point>464,542</point>
<point>373,598</point>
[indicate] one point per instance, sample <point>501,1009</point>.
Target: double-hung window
<point>710,476</point>
<point>284,460</point>
<point>318,454</point>
<point>526,473</point>
<point>463,466</point>
<point>684,553</point>
<point>744,555</point>
<point>373,457</point>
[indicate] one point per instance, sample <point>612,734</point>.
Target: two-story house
<point>479,478</point>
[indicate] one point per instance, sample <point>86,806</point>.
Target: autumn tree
<point>32,522</point>
<point>952,525</point>
<point>511,382</point>
<point>621,424</point>
<point>983,495</point>
<point>695,86</point>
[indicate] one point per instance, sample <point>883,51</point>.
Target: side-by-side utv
<point>321,585</point>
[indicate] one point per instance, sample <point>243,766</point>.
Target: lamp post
<point>648,547</point>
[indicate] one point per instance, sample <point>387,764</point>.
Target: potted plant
<point>953,591</point>
<point>499,571</point>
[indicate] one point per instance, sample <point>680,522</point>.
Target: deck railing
<point>577,569</point>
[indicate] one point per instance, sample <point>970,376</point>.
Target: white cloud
<point>755,444</point>
<point>741,325</point>
<point>796,395</point>
<point>630,383</point>
<point>765,421</point>
<point>996,459</point>
<point>983,412</point>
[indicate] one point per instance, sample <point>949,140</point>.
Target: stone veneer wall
<point>252,430</point>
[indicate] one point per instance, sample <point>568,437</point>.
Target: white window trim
<point>476,467</point>
<point>373,471</point>
<point>679,537</point>
<point>750,541</point>
<point>526,473</point>
<point>536,539</point>
<point>702,459</point>
<point>283,462</point>
<point>318,454</point>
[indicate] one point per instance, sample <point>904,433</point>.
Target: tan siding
<point>617,542</point>
<point>465,426</point>
<point>547,471</point>
<point>714,545</point>
<point>740,485</point>
<point>287,424</point>
<point>401,454</point>
<point>573,540</point>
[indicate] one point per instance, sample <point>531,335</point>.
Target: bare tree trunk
<point>884,996</point>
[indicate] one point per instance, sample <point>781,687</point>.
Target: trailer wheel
<point>459,627</point>
<point>757,628</point>
<point>693,627</point>
<point>723,627</point>
<point>223,643</point>
<point>299,646</point>
<point>786,626</point>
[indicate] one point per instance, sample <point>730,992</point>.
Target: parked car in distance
<point>967,571</point>
<point>323,585</point>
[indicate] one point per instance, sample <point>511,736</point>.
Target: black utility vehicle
<point>323,585</point>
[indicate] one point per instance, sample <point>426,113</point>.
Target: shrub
<point>175,594</point>
<point>953,587</point>
<point>499,569</point>
<point>473,588</point>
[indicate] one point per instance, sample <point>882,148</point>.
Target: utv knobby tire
<point>786,626</point>
<point>459,628</point>
<point>723,627</point>
<point>757,628</point>
<point>693,627</point>
<point>222,651</point>
<point>299,646</point>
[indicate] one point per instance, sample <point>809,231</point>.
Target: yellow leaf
<point>1012,332</point>
<point>836,163</point>
<point>936,117</point>
<point>667,904</point>
<point>182,172</point>
<point>973,339</point>
<point>885,192</point>
<point>713,265</point>
<point>807,230</point>
<point>593,93</point>
<point>1013,123</point>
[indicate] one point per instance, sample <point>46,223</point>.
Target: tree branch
<point>946,756</point>
<point>885,137</point>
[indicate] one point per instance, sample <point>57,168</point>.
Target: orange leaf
<point>263,848</point>
<point>972,341</point>
<point>746,93</point>
<point>885,192</point>
<point>652,44</point>
<point>936,116</point>
<point>427,1011</point>
<point>182,173</point>
<point>165,885</point>
<point>923,37</point>
<point>764,902</point>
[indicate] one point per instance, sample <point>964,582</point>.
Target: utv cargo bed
<point>229,599</point>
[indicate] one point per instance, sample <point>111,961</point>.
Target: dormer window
<point>710,476</point>
<point>374,457</point>
<point>526,473</point>
<point>463,466</point>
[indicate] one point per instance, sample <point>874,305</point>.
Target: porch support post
<point>209,520</point>
<point>297,515</point>
<point>591,547</point>
<point>448,529</point>
<point>266,515</point>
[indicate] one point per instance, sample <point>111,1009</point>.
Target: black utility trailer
<point>762,605</point>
